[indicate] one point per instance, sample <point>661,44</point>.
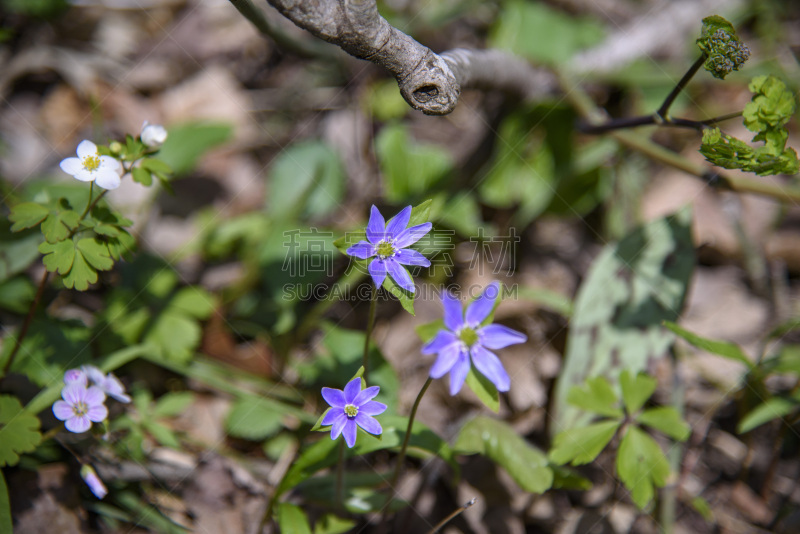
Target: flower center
<point>91,163</point>
<point>350,410</point>
<point>80,409</point>
<point>468,336</point>
<point>384,249</point>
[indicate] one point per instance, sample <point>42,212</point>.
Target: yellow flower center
<point>91,163</point>
<point>468,336</point>
<point>80,409</point>
<point>351,410</point>
<point>384,249</point>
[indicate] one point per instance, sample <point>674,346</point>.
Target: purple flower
<point>465,338</point>
<point>386,242</point>
<point>352,407</point>
<point>76,375</point>
<point>109,383</point>
<point>81,406</point>
<point>93,481</point>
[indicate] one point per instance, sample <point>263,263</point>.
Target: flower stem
<point>452,516</point>
<point>663,111</point>
<point>340,476</point>
<point>27,323</point>
<point>368,334</point>
<point>407,437</point>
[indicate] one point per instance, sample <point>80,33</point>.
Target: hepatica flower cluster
<point>386,243</point>
<point>466,339</point>
<point>83,397</point>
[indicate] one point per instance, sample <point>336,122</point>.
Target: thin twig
<point>368,334</point>
<point>28,320</point>
<point>452,516</point>
<point>663,111</point>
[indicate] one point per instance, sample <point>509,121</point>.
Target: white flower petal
<point>71,165</point>
<point>110,163</point>
<point>86,148</point>
<point>108,179</point>
<point>85,176</point>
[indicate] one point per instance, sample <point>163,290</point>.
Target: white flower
<point>90,166</point>
<point>153,135</point>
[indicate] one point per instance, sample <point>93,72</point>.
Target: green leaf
<point>484,389</point>
<point>27,215</point>
<point>16,294</point>
<point>172,404</point>
<point>6,522</point>
<point>406,298</point>
<point>60,223</point>
<point>771,106</point>
<point>162,434</point>
<point>142,176</point>
<point>410,169</point>
<point>329,523</point>
<point>306,180</point>
<point>567,478</point>
<point>630,289</point>
<point>17,250</point>
<point>176,335</point>
<point>731,153</point>
<point>641,465</point>
<point>428,331</point>
<point>292,519</point>
<point>636,390</point>
<point>666,420</point>
<point>58,256</point>
<point>543,34</point>
<point>725,51</point>
<point>19,431</point>
<point>597,397</point>
<point>186,143</point>
<point>254,418</point>
<point>582,445</point>
<point>95,252</point>
<point>725,349</point>
<point>156,166</point>
<point>702,507</point>
<point>193,301</point>
<point>499,442</point>
<point>769,410</point>
<point>80,275</point>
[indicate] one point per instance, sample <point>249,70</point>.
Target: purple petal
<point>62,410</point>
<point>97,413</point>
<point>74,393</point>
<point>351,390</point>
<point>497,336</point>
<point>362,250</point>
<point>366,395</point>
<point>400,275</point>
<point>94,373</point>
<point>459,373</point>
<point>94,396</point>
<point>398,223</point>
<point>446,360</point>
<point>78,424</point>
<point>115,389</point>
<point>71,165</point>
<point>338,424</point>
<point>376,226</point>
<point>334,397</point>
<point>409,236</point>
<point>483,305</point>
<point>411,257</point>
<point>377,270</point>
<point>94,482</point>
<point>372,408</point>
<point>330,416</point>
<point>489,365</point>
<point>453,312</point>
<point>439,343</point>
<point>349,432</point>
<point>75,375</point>
<point>370,424</point>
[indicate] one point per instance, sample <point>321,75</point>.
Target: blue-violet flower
<point>465,338</point>
<point>93,481</point>
<point>81,406</point>
<point>387,241</point>
<point>351,408</point>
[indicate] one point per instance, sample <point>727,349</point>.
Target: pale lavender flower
<point>93,481</point>
<point>90,166</point>
<point>81,407</point>
<point>352,408</point>
<point>76,375</point>
<point>388,242</point>
<point>465,338</point>
<point>109,383</point>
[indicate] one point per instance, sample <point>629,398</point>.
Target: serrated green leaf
<point>666,420</point>
<point>80,275</point>
<point>582,445</point>
<point>121,245</point>
<point>725,349</point>
<point>767,411</point>
<point>60,223</point>
<point>499,442</point>
<point>641,465</point>
<point>253,418</point>
<point>597,396</point>
<point>142,176</point>
<point>292,519</point>
<point>172,404</point>
<point>19,431</point>
<point>636,390</point>
<point>95,252</point>
<point>27,215</point>
<point>484,389</point>
<point>58,256</point>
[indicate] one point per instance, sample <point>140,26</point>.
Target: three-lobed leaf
<point>27,215</point>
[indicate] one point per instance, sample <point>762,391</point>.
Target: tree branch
<point>429,82</point>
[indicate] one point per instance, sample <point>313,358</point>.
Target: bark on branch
<point>429,82</point>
